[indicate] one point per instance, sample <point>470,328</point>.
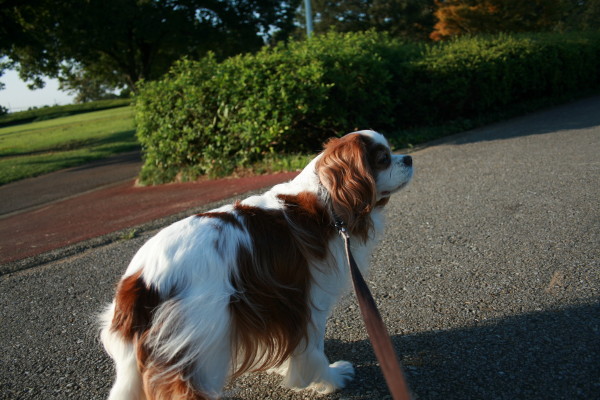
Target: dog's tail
<point>127,329</point>
<point>161,383</point>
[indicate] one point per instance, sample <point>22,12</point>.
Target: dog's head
<point>360,173</point>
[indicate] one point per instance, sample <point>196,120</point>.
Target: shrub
<point>471,76</point>
<point>209,117</point>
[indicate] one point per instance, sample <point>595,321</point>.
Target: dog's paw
<point>338,375</point>
<point>343,372</point>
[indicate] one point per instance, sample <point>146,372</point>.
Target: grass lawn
<point>40,147</point>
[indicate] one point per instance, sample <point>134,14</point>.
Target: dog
<point>249,286</point>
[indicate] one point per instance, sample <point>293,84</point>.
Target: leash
<point>380,339</point>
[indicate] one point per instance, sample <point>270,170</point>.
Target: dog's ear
<point>345,172</point>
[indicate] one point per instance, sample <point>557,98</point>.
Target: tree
<point>583,15</point>
<point>457,17</point>
<point>120,42</point>
<point>401,18</point>
<point>85,84</point>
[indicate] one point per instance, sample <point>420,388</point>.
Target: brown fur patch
<point>271,312</point>
<point>314,226</point>
<point>134,303</point>
<point>382,202</point>
<point>226,217</point>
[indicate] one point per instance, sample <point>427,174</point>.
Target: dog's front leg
<point>309,366</point>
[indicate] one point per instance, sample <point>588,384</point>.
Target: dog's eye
<point>383,160</point>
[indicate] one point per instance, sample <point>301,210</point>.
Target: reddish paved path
<point>99,212</point>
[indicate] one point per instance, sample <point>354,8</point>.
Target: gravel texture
<point>488,278</point>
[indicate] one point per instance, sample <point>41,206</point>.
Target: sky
<point>17,97</point>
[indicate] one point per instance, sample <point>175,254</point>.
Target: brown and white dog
<point>249,286</point>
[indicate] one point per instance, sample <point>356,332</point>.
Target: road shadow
<point>542,355</point>
<point>580,114</point>
<point>128,158</point>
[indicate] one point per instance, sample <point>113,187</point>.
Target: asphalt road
<point>488,279</point>
<point>32,193</point>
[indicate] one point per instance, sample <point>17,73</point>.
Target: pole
<point>309,20</point>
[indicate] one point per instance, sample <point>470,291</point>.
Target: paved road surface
<point>488,279</point>
<point>32,193</point>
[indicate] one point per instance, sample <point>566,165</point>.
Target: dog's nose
<point>407,160</point>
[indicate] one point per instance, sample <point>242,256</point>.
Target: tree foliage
<point>400,18</point>
<point>584,15</point>
<point>457,17</point>
<point>121,42</point>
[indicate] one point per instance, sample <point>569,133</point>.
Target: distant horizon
<point>16,96</point>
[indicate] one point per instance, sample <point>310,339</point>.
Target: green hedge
<point>474,76</point>
<point>206,117</point>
